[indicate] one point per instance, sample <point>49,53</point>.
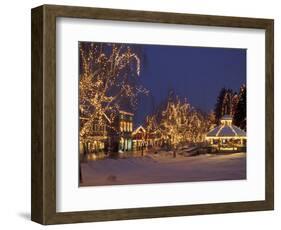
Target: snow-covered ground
<point>163,168</point>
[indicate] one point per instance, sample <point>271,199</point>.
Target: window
<point>121,144</point>
<point>126,145</point>
<point>129,144</point>
<point>121,126</point>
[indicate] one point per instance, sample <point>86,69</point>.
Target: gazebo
<point>226,137</point>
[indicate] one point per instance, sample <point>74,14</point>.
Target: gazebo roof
<point>226,117</point>
<point>226,129</point>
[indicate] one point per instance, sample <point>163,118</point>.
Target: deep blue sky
<point>197,73</point>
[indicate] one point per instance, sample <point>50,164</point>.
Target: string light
<point>178,123</point>
<point>108,74</point>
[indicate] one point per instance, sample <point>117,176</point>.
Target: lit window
<point>126,144</point>
<point>129,144</point>
<point>121,144</point>
<point>121,126</point>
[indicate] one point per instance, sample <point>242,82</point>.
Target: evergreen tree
<point>239,118</point>
<point>211,119</point>
<point>219,105</point>
<point>235,100</point>
<point>227,103</point>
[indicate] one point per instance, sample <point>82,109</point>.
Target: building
<point>96,140</point>
<point>226,137</point>
<point>154,140</point>
<point>143,139</point>
<point>125,129</point>
<point>139,138</point>
<point>109,136</point>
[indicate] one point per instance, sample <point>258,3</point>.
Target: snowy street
<point>163,168</point>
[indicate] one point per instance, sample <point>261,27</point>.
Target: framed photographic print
<point>141,114</point>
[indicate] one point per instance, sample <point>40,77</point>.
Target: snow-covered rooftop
<point>226,129</point>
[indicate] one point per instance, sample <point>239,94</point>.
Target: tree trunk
<point>174,153</point>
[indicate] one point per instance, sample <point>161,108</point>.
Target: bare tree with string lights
<point>108,76</point>
<point>178,123</point>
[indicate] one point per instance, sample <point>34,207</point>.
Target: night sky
<point>197,73</point>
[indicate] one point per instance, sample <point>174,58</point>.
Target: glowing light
<point>178,123</point>
<point>108,74</point>
<point>228,148</point>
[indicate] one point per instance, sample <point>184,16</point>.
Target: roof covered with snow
<point>226,129</point>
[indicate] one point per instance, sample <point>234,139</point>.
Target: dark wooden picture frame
<point>43,197</point>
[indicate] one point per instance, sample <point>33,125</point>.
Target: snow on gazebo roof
<point>226,117</point>
<point>226,129</point>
